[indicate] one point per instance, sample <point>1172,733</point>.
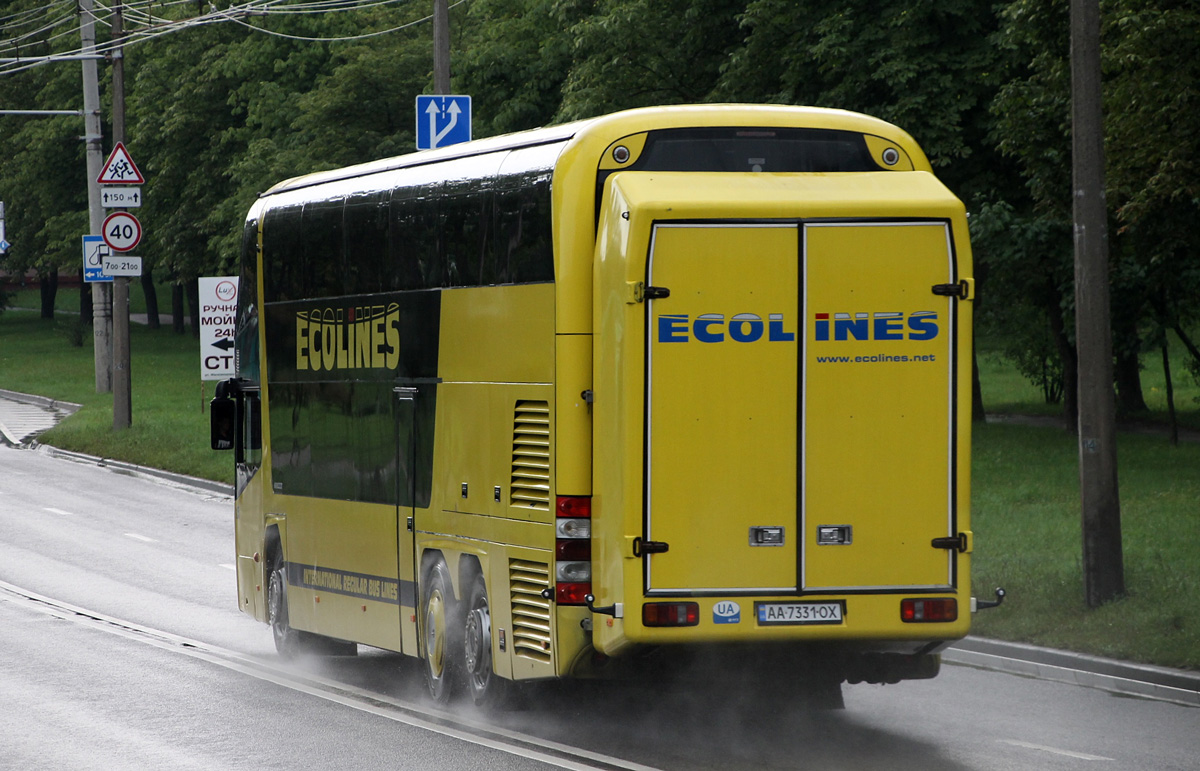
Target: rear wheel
<point>440,647</point>
<point>487,689</point>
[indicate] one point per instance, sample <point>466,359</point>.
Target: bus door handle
<point>641,547</point>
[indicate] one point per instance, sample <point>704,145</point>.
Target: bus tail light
<point>670,614</point>
<point>939,609</point>
<point>572,549</point>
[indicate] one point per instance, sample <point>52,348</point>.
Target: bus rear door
<point>800,423</point>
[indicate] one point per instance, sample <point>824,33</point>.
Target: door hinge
<point>958,542</point>
<point>960,290</point>
<point>642,547</point>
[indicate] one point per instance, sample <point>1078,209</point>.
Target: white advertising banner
<point>218,311</point>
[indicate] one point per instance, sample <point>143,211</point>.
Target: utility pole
<point>1103,564</point>
<point>122,376</point>
<point>441,47</point>
<point>101,294</point>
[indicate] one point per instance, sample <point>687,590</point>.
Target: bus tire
<point>440,647</point>
<point>487,689</point>
<point>288,641</point>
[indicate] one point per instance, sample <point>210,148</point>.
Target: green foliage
<point>1025,286</point>
<point>517,61</point>
<point>926,66</point>
<point>635,53</point>
<point>220,112</point>
<point>42,171</point>
<point>1152,107</point>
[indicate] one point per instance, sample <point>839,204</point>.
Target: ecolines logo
<point>365,337</point>
<point>921,325</point>
<point>713,328</point>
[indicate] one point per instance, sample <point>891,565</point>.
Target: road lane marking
<point>142,538</point>
<point>53,510</point>
<point>227,566</point>
<point>418,716</point>
<point>1054,750</point>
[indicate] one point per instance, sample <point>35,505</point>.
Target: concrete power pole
<point>101,292</point>
<point>441,47</point>
<point>122,375</point>
<point>1103,564</point>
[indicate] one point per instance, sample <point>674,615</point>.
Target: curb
<point>131,469</point>
<point>69,408</point>
<point>1111,675</point>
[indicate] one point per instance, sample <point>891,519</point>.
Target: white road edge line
<point>142,538</point>
<point>331,690</point>
<point>1054,750</point>
<point>1079,677</point>
<point>53,510</point>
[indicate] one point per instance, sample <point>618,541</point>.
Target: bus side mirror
<point>223,422</point>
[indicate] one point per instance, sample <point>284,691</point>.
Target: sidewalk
<point>23,416</point>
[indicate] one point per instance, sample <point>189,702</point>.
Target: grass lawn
<point>1027,524</point>
<point>1025,486</point>
<point>169,429</point>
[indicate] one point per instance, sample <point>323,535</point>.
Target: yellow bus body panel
<point>812,459</point>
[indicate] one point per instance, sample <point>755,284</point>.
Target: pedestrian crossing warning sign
<point>120,169</point>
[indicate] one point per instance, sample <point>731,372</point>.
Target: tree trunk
<point>177,324</point>
<point>1128,372</point>
<point>1166,358</point>
<point>1070,370</point>
<point>151,295</point>
<point>49,287</point>
<point>977,413</point>
<point>1187,342</point>
<point>193,293</point>
<point>85,301</point>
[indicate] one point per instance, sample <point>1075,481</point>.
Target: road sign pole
<point>441,46</point>
<point>101,293</point>
<point>122,374</point>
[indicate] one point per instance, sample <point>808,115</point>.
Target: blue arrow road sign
<point>94,252</point>
<point>442,121</point>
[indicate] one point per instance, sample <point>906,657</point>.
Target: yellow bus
<point>674,384</point>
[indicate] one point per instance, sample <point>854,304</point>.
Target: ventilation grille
<point>530,610</point>
<point>530,486</point>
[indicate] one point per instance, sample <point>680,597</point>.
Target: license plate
<point>798,613</point>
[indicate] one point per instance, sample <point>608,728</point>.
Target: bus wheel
<point>486,687</point>
<point>287,640</point>
<point>438,635</point>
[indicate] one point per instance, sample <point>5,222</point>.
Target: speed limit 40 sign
<point>121,231</point>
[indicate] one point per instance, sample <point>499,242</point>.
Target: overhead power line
<point>153,26</point>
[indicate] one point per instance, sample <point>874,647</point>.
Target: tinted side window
<point>368,267</point>
<point>283,253</point>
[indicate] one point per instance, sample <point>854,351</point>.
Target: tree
<point>635,53</point>
<point>42,171</point>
